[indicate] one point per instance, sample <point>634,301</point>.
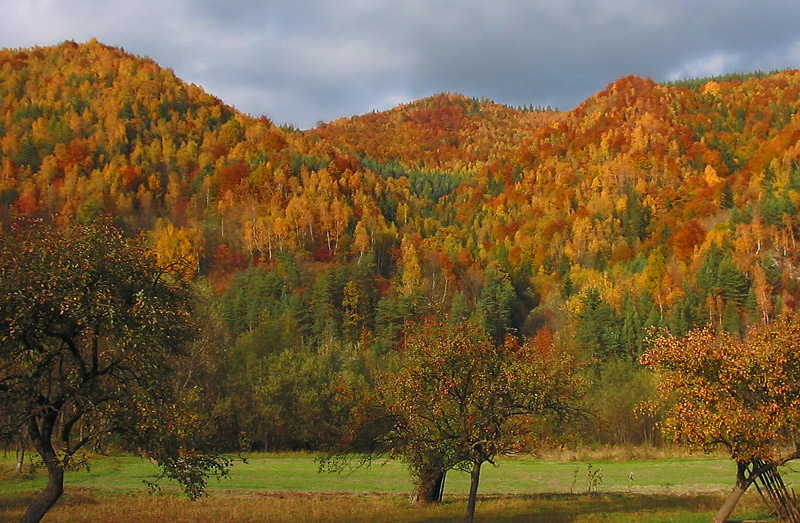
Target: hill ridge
<point>631,193</point>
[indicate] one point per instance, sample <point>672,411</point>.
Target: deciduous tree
<point>460,400</point>
<point>743,395</point>
<point>90,332</point>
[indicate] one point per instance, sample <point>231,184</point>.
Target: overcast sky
<point>302,61</point>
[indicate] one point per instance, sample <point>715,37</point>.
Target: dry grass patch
<point>79,505</point>
<point>621,453</point>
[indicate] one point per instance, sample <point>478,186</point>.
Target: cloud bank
<point>302,61</point>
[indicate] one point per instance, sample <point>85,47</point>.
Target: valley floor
<point>288,487</point>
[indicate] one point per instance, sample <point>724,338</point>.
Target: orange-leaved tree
<point>741,394</point>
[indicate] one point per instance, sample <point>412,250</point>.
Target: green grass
<point>677,489</point>
<point>287,472</point>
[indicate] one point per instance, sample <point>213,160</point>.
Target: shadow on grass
<point>560,508</point>
<point>13,505</point>
<point>88,505</point>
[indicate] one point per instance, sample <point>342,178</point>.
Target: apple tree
<point>739,394</point>
<point>459,400</point>
<point>91,333</point>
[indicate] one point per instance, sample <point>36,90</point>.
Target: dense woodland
<point>314,253</point>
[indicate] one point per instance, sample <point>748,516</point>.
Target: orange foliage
<point>638,166</point>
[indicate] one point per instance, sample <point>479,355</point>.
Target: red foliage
<point>323,254</point>
<point>132,177</point>
<point>687,238</point>
<point>229,177</point>
<point>622,253</point>
<point>75,153</point>
<point>26,204</point>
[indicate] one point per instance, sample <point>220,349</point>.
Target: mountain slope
<point>88,129</point>
<point>633,192</point>
<point>669,205</point>
<point>444,132</point>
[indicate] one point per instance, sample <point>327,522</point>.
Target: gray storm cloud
<point>303,61</point>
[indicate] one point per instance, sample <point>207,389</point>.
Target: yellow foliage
<point>711,88</point>
<point>177,249</point>
<point>711,177</point>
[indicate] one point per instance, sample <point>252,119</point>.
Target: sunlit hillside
<point>647,205</point>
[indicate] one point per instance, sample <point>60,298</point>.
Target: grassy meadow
<point>288,487</point>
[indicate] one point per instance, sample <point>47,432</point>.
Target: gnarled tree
<point>90,333</point>
<point>460,401</point>
<point>743,395</point>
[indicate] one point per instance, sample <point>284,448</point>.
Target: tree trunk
<point>20,460</point>
<point>730,503</point>
<point>440,494</point>
<point>20,454</point>
<point>43,501</point>
<point>473,491</point>
<point>430,489</point>
<point>46,498</point>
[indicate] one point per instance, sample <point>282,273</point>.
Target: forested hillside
<point>685,199</point>
<point>646,206</point>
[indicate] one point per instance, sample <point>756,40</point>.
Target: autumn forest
<point>316,256</point>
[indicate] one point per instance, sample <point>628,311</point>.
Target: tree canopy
<point>91,332</point>
<point>740,394</point>
<point>460,400</point>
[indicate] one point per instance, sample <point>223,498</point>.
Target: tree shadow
<point>564,508</point>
